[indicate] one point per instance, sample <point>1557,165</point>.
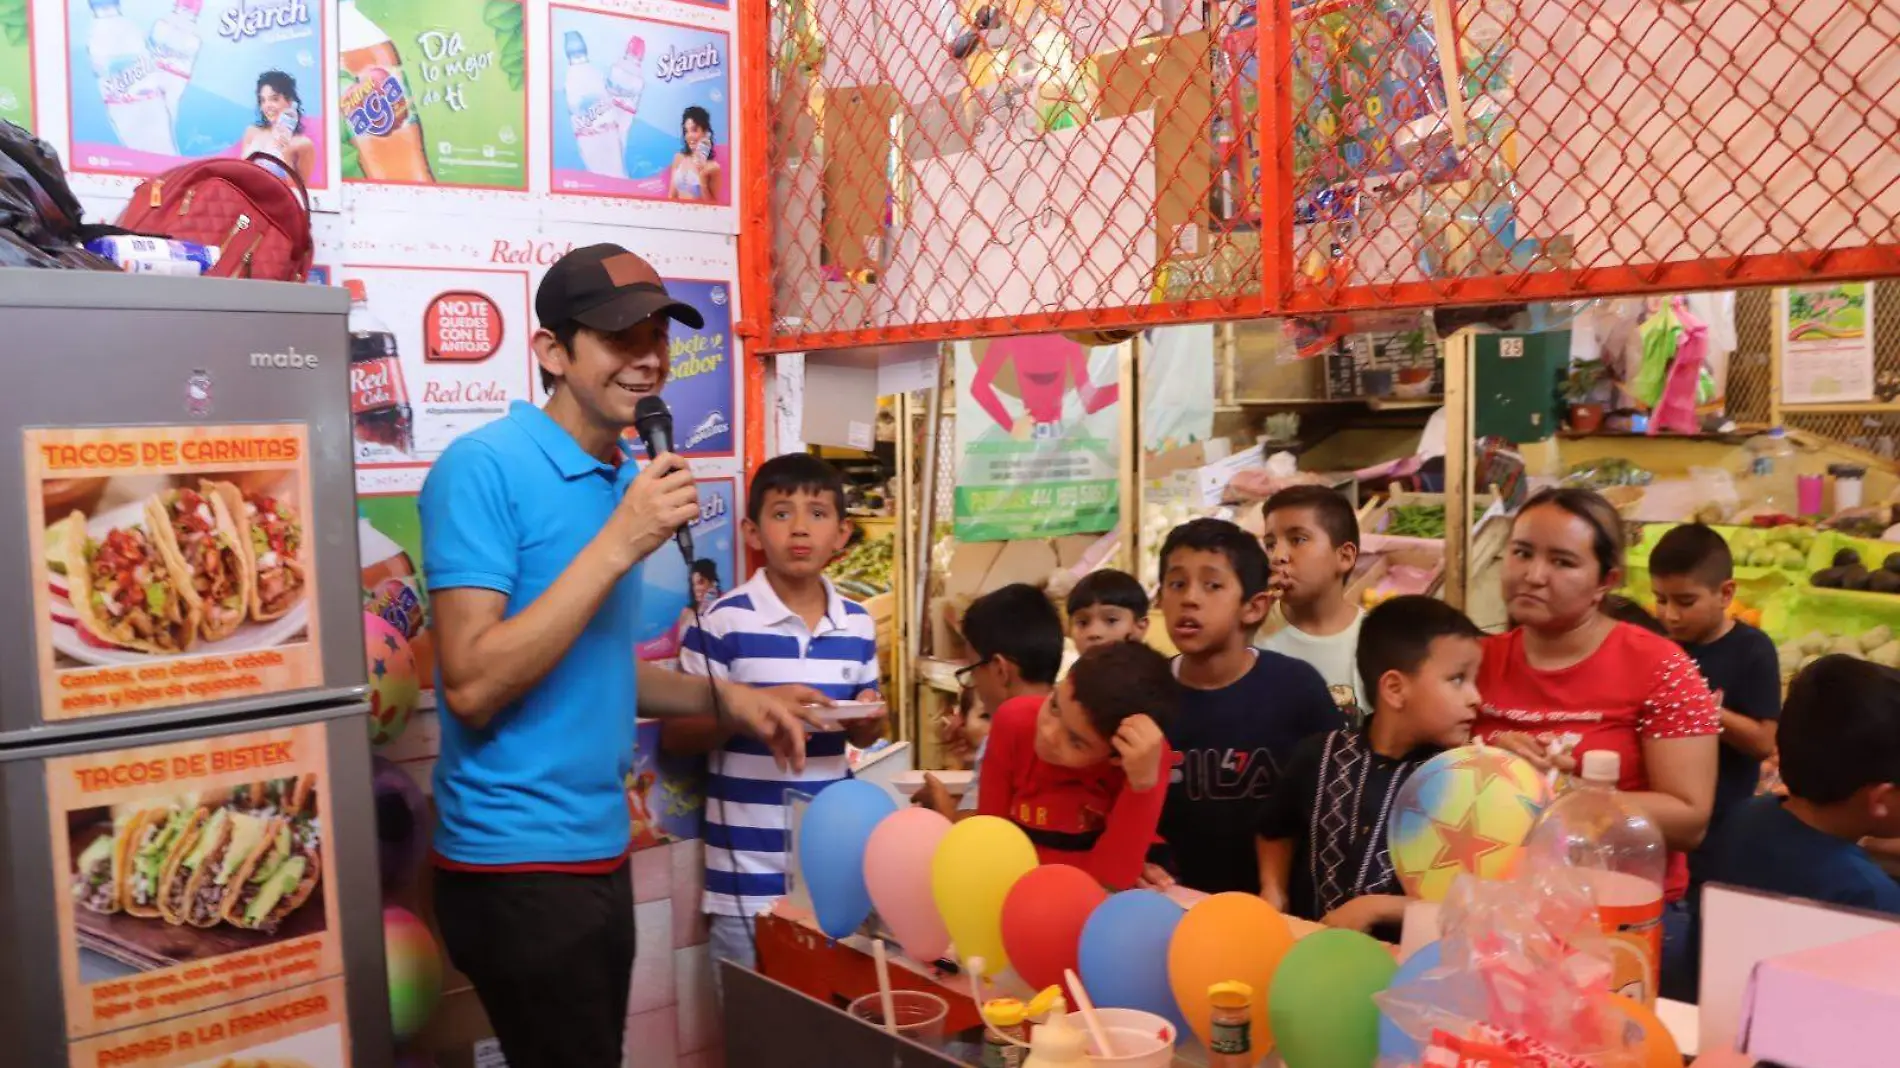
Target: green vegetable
<point>155,597</point>
<point>1421,520</point>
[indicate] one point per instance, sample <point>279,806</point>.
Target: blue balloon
<point>1124,954</point>
<point>1394,1043</point>
<point>831,851</point>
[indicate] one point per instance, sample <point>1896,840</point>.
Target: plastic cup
<point>1807,492</point>
<point>919,1016</point>
<point>1142,1039</point>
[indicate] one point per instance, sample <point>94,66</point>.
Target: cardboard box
<point>1834,1006</point>
<point>857,140</point>
<point>1173,76</point>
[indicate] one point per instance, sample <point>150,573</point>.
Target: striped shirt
<point>750,637</point>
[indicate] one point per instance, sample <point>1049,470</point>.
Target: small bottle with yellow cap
<point>1006,1018</point>
<point>1231,1026</point>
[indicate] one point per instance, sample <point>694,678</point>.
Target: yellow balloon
<point>1227,937</point>
<point>970,875</point>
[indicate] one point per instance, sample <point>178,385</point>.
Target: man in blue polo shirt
<point>533,529</point>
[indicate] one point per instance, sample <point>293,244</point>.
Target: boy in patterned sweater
<point>1322,843</point>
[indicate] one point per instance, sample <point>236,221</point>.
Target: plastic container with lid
<point>1848,480</point>
<point>1621,854</point>
<point>1768,486</point>
<point>1230,1026</point>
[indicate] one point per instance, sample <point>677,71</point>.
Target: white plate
<point>249,636</point>
<point>849,710</point>
<point>957,783</point>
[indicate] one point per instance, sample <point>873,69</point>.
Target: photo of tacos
<point>180,566</point>
<point>272,536</point>
<point>200,537</point>
<point>155,837</point>
<point>174,879</point>
<point>96,880</point>
<point>124,591</point>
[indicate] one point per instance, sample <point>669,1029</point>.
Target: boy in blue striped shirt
<point>786,627</point>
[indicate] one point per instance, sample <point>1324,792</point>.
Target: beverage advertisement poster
<point>666,795</point>
<point>668,586</point>
<point>433,94</point>
<point>640,109</point>
<point>1037,433</point>
<point>703,376</point>
<point>175,567</point>
<point>194,878</point>
<point>154,82</point>
<point>434,353</point>
<point>16,62</point>
<point>1827,343</point>
<point>389,542</point>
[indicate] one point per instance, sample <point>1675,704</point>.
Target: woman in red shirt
<point>1568,679</point>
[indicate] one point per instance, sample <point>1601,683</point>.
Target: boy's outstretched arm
<point>1276,867</point>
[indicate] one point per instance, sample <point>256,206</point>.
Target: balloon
<point>1321,1003</point>
<point>831,851</point>
<point>1121,942</point>
<point>402,822</point>
<point>897,873</point>
<point>1659,1046</point>
<point>393,689</point>
<point>1395,1044</point>
<point>1227,936</point>
<point>975,866</point>
<point>1467,810</point>
<point>1043,916</point>
<point>415,971</point>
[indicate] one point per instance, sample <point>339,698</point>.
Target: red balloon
<point>1043,918</point>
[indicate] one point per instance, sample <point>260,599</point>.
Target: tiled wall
<point>671,1019</point>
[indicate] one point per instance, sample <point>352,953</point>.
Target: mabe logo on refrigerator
<point>294,360</point>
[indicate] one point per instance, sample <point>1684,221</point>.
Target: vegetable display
<point>1420,520</point>
<point>1786,548</point>
<point>1849,573</point>
<point>865,569</point>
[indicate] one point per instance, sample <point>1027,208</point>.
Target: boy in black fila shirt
<point>1242,709</point>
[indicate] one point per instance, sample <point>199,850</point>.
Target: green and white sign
<point>16,63</point>
<point>1037,438</point>
<point>433,94</point>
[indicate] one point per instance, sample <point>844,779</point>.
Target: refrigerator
<point>186,819</point>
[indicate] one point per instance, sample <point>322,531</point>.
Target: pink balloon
<point>897,873</point>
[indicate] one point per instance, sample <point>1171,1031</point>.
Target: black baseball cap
<point>607,288</point>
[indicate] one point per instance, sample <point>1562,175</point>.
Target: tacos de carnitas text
<point>124,590</point>
<point>272,536</point>
<point>97,883</point>
<point>279,878</point>
<point>155,836</point>
<point>200,536</point>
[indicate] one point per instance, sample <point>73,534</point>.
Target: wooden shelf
<point>1400,404</point>
<point>1867,407</point>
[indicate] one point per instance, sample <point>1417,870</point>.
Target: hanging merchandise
<point>1662,335</point>
<point>1676,407</point>
<point>1177,387</point>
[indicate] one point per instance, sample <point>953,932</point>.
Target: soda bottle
<point>175,42</point>
<point>129,82</point>
<point>625,82</point>
<point>1622,857</point>
<point>1230,1026</point>
<point>597,122</point>
<point>377,108</point>
<point>379,399</point>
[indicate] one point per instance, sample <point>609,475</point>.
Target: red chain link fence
<point>958,168</point>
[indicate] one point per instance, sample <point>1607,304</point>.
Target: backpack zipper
<point>186,205</point>
<point>243,223</point>
<point>158,192</point>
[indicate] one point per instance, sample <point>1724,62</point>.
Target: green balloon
<point>1321,1001</point>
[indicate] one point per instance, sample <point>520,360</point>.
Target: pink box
<point>1835,1006</point>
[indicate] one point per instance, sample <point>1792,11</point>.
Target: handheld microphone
<point>654,421</point>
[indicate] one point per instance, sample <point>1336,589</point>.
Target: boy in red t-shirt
<point>1081,772</point>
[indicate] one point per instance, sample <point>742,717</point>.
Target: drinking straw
<point>1087,1009</point>
<point>888,1002</point>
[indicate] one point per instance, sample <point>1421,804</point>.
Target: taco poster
<point>192,875</point>
<point>302,1028</point>
<point>174,563</point>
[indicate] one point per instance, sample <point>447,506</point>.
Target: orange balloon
<point>1659,1046</point>
<point>1227,937</point>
